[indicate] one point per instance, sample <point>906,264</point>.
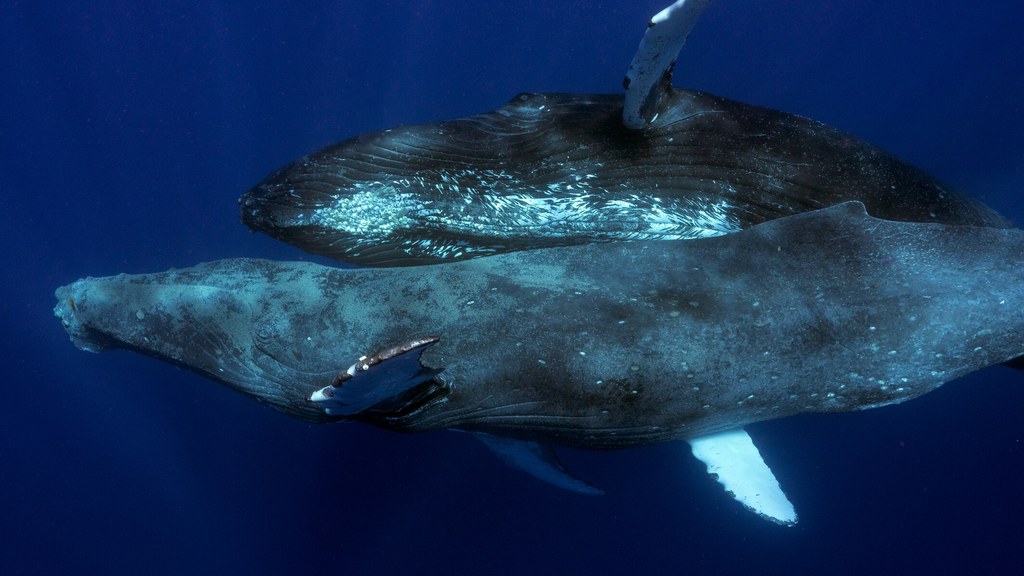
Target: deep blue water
<point>129,129</point>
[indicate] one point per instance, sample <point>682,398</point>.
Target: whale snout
<point>256,210</point>
<point>299,203</point>
<point>217,320</point>
<point>271,205</point>
<point>71,303</point>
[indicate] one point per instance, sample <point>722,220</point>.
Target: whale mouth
<point>276,205</point>
<point>82,334</point>
<point>172,321</point>
<point>203,319</point>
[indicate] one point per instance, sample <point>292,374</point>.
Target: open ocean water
<point>129,129</point>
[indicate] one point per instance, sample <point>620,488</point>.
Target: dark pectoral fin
<point>376,378</point>
<point>1016,363</point>
<point>538,460</point>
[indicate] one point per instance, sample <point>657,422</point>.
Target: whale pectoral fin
<point>649,77</point>
<point>538,460</point>
<point>734,461</point>
<point>376,378</point>
<point>1015,363</point>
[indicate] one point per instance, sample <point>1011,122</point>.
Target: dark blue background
<point>127,131</point>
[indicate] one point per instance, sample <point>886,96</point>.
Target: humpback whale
<point>596,346</point>
<point>562,169</point>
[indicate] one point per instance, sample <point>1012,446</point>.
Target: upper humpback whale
<point>598,346</point>
<point>564,169</point>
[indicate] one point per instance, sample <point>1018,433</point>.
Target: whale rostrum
<point>597,346</point>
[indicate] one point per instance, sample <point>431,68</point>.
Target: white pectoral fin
<point>735,462</point>
<point>653,62</point>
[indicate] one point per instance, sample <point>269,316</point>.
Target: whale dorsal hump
<point>649,78</point>
<point>735,462</point>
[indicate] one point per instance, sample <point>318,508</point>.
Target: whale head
<point>208,323</point>
<point>349,209</point>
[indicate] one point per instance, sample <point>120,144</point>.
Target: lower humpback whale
<point>563,169</point>
<point>596,346</point>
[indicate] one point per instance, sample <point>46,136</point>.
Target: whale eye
<point>267,334</point>
<point>264,332</point>
<point>273,335</point>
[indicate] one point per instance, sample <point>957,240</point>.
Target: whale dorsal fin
<point>649,78</point>
<point>735,462</point>
<point>375,378</point>
<point>538,460</point>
